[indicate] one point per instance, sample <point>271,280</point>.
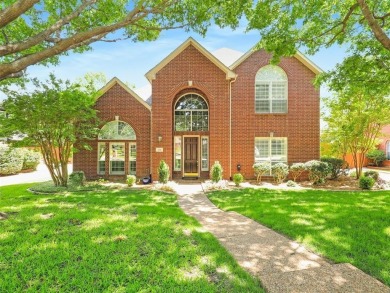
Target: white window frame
<point>99,171</point>
<point>387,147</point>
<point>124,160</point>
<point>202,154</point>
<point>132,158</point>
<point>270,84</point>
<point>191,112</point>
<point>180,149</point>
<point>269,158</point>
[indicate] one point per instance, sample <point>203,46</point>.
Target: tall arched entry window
<point>191,140</point>
<point>191,113</point>
<point>117,145</point>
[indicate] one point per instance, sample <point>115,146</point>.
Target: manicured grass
<point>352,227</point>
<point>109,241</point>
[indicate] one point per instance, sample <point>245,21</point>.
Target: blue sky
<point>130,61</point>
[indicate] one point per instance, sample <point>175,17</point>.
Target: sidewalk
<point>282,265</point>
<point>40,175</point>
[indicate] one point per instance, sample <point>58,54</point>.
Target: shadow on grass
<point>352,227</point>
<point>125,240</point>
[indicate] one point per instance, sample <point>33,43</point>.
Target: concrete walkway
<point>40,175</point>
<point>282,265</point>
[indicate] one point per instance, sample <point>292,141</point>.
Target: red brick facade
<point>228,92</point>
<point>117,101</point>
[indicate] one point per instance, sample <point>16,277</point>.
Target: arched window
<point>271,90</point>
<point>114,152</point>
<point>388,149</point>
<point>117,130</point>
<point>191,113</point>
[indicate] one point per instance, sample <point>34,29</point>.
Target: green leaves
<point>54,115</point>
<point>52,28</point>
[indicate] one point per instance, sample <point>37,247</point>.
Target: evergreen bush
<point>216,172</point>
<point>163,172</point>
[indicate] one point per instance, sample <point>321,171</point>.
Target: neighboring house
<point>235,109</point>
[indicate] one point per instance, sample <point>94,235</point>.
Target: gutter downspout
<point>230,126</point>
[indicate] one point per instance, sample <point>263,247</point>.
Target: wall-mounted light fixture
<point>159,138</point>
<point>116,118</point>
<point>271,134</point>
<point>238,167</point>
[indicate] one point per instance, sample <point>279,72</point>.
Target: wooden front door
<point>191,156</point>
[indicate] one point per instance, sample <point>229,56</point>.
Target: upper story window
<point>271,90</point>
<point>191,113</point>
<point>117,130</point>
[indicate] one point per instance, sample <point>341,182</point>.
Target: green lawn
<point>112,241</point>
<point>351,227</point>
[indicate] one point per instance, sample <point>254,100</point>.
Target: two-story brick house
<point>202,110</point>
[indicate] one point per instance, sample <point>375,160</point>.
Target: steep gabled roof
<point>302,58</point>
<point>115,81</point>
<point>151,74</point>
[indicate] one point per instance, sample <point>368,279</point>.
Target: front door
<point>191,157</point>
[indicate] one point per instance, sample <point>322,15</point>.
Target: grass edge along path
<point>345,227</point>
<point>110,240</point>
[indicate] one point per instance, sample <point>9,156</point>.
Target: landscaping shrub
<point>291,183</point>
<point>336,166</point>
<point>260,169</point>
<point>377,156</point>
<point>216,172</point>
<point>318,171</point>
<point>163,172</point>
<point>238,178</point>
<point>373,174</point>
<point>30,159</point>
<point>11,160</point>
<point>280,172</point>
<point>130,180</point>
<point>366,182</point>
<point>352,174</point>
<point>296,170</point>
<point>77,178</point>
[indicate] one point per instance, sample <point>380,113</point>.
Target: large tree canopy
<point>361,25</point>
<point>38,31</point>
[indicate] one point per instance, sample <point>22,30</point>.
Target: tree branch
<point>12,12</point>
<point>343,23</point>
<point>74,41</point>
<point>44,35</point>
<point>379,34</point>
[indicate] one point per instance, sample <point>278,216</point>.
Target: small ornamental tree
<point>377,156</point>
<point>296,170</point>
<point>261,169</point>
<point>279,172</point>
<point>54,116</point>
<point>216,172</point>
<point>163,172</point>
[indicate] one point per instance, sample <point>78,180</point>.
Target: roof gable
<point>301,57</point>
<point>151,74</point>
<point>115,81</point>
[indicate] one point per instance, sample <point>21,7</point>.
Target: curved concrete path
<point>282,265</point>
